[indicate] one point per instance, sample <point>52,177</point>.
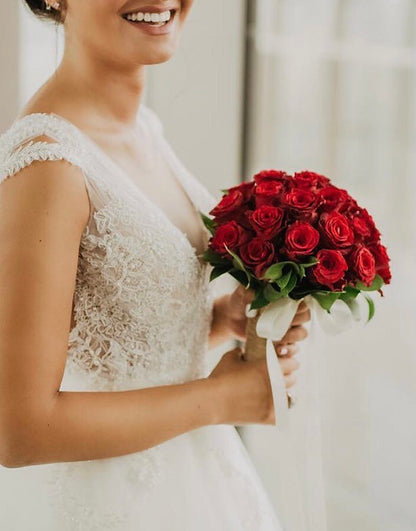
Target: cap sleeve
<point>38,138</point>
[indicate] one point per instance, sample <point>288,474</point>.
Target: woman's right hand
<point>244,388</point>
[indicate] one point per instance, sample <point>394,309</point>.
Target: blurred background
<point>326,85</point>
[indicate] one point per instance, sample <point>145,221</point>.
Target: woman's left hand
<point>235,314</point>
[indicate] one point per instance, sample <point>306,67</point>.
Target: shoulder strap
<point>24,142</point>
<point>18,148</point>
<point>199,194</point>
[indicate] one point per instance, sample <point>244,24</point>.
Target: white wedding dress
<point>142,311</point>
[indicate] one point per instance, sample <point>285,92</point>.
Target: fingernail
<point>283,351</point>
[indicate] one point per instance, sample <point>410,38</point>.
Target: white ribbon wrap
<point>292,468</point>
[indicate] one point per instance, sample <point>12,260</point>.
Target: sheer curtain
<point>331,87</point>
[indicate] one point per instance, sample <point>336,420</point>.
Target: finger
<point>289,365</point>
<point>303,307</point>
<point>245,295</point>
<point>302,317</point>
<point>236,353</point>
<point>290,380</point>
<point>286,349</point>
<point>295,334</point>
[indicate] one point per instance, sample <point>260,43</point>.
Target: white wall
<point>9,53</point>
<point>198,92</point>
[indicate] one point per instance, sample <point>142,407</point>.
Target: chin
<point>157,57</point>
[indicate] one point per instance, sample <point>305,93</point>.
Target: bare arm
<point>44,209</point>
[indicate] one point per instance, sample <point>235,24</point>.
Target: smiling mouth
<point>150,19</point>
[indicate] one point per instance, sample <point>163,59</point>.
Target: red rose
<point>382,261</point>
<point>364,226</point>
<point>336,230</point>
<point>228,204</point>
<point>246,188</point>
<point>271,175</point>
<point>266,220</point>
<point>269,193</point>
<point>363,264</point>
<point>301,239</point>
<point>350,208</point>
<point>309,180</point>
<point>258,254</point>
<point>302,204</point>
<point>330,270</point>
<point>333,198</point>
<point>230,234</point>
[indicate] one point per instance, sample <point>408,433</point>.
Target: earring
<point>55,5</point>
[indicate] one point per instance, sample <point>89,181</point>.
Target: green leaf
<point>371,307</point>
<point>208,222</point>
<point>275,271</point>
<point>217,272</point>
<point>326,298</point>
<point>283,281</point>
<point>271,294</point>
<point>225,191</point>
<point>238,264</point>
<point>311,262</point>
<point>240,276</point>
<point>302,271</point>
<point>290,285</point>
<point>375,285</point>
<point>259,301</point>
<point>214,258</point>
<point>352,292</point>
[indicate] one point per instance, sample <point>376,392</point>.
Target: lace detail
<point>34,151</point>
<point>142,311</point>
<point>135,270</point>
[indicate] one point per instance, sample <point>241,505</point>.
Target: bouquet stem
<point>255,348</point>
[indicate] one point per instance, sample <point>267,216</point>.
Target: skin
<point>98,86</point>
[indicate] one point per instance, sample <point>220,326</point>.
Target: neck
<point>110,92</point>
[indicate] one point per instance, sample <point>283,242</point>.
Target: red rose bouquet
<point>295,237</point>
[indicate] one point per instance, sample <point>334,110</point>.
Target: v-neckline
<point>86,137</point>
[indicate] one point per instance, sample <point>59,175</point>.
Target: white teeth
<point>149,17</point>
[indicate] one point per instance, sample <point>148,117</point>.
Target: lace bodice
<point>142,310</point>
<point>142,302</point>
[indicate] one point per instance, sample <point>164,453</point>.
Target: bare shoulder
<point>50,189</point>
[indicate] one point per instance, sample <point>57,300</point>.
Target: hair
<point>38,7</point>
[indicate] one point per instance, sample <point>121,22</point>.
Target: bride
<point>106,312</point>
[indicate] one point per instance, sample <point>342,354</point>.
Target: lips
<point>152,28</point>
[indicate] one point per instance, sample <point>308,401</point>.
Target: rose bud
<point>230,234</point>
<point>271,175</point>
<point>365,227</point>
<point>268,193</point>
<point>333,198</point>
<point>246,188</point>
<point>258,254</point>
<point>363,264</point>
<point>228,204</point>
<point>336,230</point>
<point>302,204</point>
<point>266,220</point>
<point>330,270</point>
<point>301,239</point>
<point>382,261</point>
<point>309,180</point>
